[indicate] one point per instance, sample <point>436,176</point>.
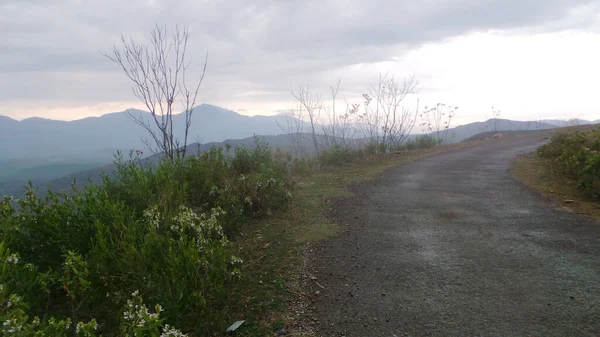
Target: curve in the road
<point>451,245</point>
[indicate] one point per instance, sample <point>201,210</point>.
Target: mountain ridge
<point>47,138</point>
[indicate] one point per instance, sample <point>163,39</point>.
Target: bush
<point>303,166</point>
<point>338,155</point>
<point>370,149</point>
<point>425,142</point>
<point>420,142</point>
<point>149,233</point>
<point>576,156</point>
<point>246,161</point>
<point>411,144</point>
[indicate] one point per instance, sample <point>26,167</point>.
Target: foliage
<point>337,155</point>
<point>420,142</point>
<point>577,156</point>
<point>149,233</point>
<point>424,142</point>
<point>303,166</point>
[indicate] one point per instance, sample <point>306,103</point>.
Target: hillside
<point>462,132</point>
<point>570,122</point>
<point>94,173</point>
<point>98,138</point>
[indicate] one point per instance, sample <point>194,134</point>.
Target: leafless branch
<point>158,72</point>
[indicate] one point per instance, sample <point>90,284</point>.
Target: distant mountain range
<point>462,132</point>
<point>46,150</point>
<point>98,138</point>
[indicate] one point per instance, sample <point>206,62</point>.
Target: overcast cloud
<point>530,58</point>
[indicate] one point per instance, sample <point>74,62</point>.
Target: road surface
<point>451,245</point>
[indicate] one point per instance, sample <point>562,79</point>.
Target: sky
<point>531,59</point>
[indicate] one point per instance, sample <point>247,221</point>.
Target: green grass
<point>545,171</point>
<point>538,173</point>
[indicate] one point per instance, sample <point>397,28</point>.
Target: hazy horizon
<point>456,122</point>
<point>533,60</point>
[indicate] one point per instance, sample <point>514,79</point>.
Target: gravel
<point>451,245</point>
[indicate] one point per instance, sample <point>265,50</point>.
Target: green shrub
<point>149,233</point>
<point>420,142</point>
<point>411,144</point>
<point>337,155</point>
<point>246,161</point>
<point>17,277</point>
<point>589,176</point>
<point>425,142</point>
<point>370,149</point>
<point>87,264</point>
<point>262,192</point>
<point>576,156</point>
<point>303,166</point>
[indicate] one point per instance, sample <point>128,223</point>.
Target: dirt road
<point>452,246</point>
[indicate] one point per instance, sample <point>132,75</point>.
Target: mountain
<point>40,148</point>
<point>570,122</point>
<point>98,138</point>
<point>462,132</point>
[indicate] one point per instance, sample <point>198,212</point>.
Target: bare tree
<point>313,105</point>
<point>347,127</point>
<point>437,120</point>
<point>331,128</point>
<point>383,122</point>
<point>495,116</point>
<point>158,71</point>
<point>368,121</point>
<point>294,129</point>
<point>396,120</point>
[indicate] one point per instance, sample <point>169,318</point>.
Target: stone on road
<point>451,245</point>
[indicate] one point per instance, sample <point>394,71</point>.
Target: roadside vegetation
<point>567,169</point>
<point>193,244</point>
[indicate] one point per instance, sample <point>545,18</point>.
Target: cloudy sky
<point>529,58</point>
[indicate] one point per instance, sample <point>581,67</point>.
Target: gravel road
<point>451,245</point>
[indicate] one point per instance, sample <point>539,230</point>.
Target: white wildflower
<point>13,300</point>
<point>13,258</point>
<point>152,215</point>
<point>236,260</point>
<point>169,331</point>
